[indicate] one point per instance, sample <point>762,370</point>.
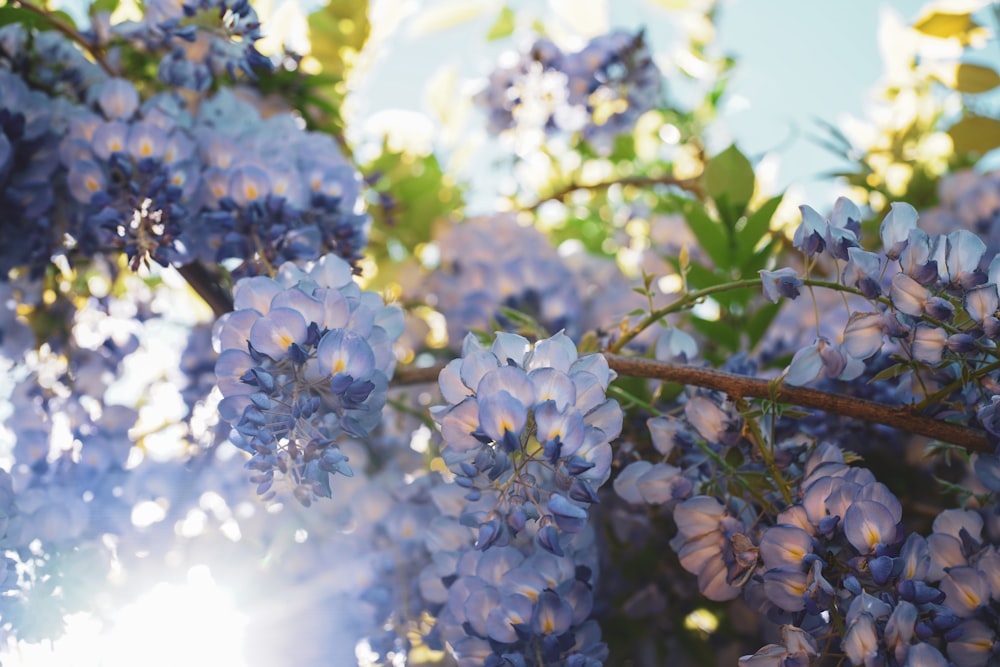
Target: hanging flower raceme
<point>527,431</point>
<point>203,40</point>
<point>598,91</point>
<point>27,165</point>
<point>269,191</point>
<point>125,169</point>
<point>305,359</point>
<point>493,263</point>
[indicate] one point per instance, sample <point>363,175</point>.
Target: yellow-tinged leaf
<point>975,78</point>
<point>441,90</point>
<point>975,134</point>
<point>337,33</point>
<point>504,25</point>
<point>671,4</point>
<point>945,24</point>
<point>448,15</point>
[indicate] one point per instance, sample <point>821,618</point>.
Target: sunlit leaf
<point>975,78</point>
<point>503,26</point>
<point>338,32</point>
<point>10,14</point>
<point>711,234</point>
<point>98,6</point>
<point>671,4</point>
<point>945,24</point>
<point>729,180</point>
<point>757,225</point>
<point>975,134</point>
<point>414,194</point>
<point>893,371</point>
<point>449,14</point>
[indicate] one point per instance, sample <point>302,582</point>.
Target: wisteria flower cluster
<point>304,360</point>
<point>840,557</point>
<point>203,40</point>
<point>598,91</point>
<point>929,300</point>
<point>167,182</point>
<point>28,162</point>
<point>493,263</point>
<point>527,431</point>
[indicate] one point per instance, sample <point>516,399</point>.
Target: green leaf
<point>414,194</point>
<point>893,371</point>
<point>730,181</point>
<point>759,321</point>
<point>946,448</point>
<point>337,33</point>
<point>10,14</point>
<point>975,78</point>
<point>98,6</point>
<point>757,226</point>
<point>758,260</point>
<point>719,332</point>
<point>975,134</point>
<point>503,26</point>
<point>713,237</point>
<point>522,322</point>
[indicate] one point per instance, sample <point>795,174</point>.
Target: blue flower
<point>305,362</point>
<point>780,283</point>
<point>527,431</point>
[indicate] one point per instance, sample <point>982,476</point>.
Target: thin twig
<point>690,185</point>
<point>413,375</point>
<point>901,417</point>
<point>69,31</point>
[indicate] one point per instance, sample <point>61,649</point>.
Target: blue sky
<point>799,61</point>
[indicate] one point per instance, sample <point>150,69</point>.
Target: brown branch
<point>901,417</point>
<point>206,284</point>
<point>690,185</point>
<point>740,386</point>
<point>412,375</point>
<point>69,31</point>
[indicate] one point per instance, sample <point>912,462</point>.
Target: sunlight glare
<point>195,624</point>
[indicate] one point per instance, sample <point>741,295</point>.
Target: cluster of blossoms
<point>27,164</point>
<point>48,62</point>
<point>202,40</point>
<point>126,169</point>
<point>839,557</point>
<point>494,263</point>
<point>929,300</point>
<point>527,431</point>
<point>100,170</point>
<point>270,191</point>
<point>967,200</point>
<point>923,310</point>
<point>598,91</point>
<point>305,359</point>
<point>508,606</point>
